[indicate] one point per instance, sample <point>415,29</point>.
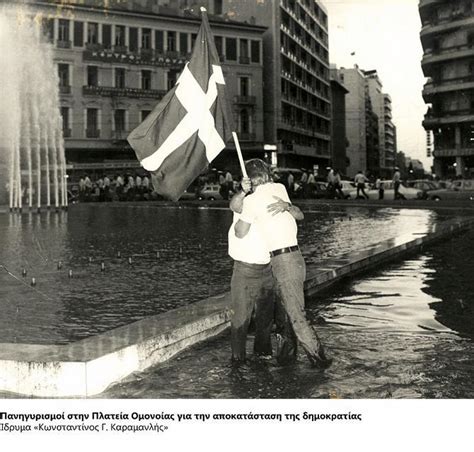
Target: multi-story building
<point>372,138</point>
<point>297,111</point>
<point>382,105</point>
<point>447,37</point>
<point>356,119</point>
<point>338,122</point>
<point>116,61</point>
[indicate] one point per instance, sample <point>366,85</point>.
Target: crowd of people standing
<point>118,188</point>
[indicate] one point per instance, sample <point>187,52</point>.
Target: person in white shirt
<point>251,287</point>
<point>251,282</point>
<point>269,210</point>
<point>360,181</point>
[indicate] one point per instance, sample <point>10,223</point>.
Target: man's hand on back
<point>279,206</point>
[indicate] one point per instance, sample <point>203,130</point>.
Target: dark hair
<point>258,172</point>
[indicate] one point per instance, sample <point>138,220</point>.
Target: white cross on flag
<point>191,124</point>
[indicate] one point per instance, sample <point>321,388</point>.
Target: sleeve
<point>282,193</point>
<point>249,213</point>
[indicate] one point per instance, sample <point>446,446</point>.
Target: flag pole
<point>239,154</point>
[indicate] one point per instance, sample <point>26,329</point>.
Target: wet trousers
<point>251,288</point>
<point>289,273</point>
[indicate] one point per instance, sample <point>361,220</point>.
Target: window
<point>92,76</point>
<point>107,36</point>
<point>183,43</point>
<point>119,35</point>
<point>244,51</point>
<point>244,48</point>
<point>244,86</point>
<point>244,120</point>
<point>119,120</point>
<point>217,6</point>
<point>63,73</point>
<point>78,34</point>
<point>119,78</point>
<point>218,41</point>
<point>92,120</point>
<point>172,78</point>
<point>255,51</point>
<point>171,41</point>
<point>146,39</point>
<point>65,118</point>
<point>146,79</point>
<point>63,30</point>
<point>231,49</point>
<point>92,33</point>
<point>145,113</point>
<point>133,39</point>
<point>159,41</point>
<point>47,26</point>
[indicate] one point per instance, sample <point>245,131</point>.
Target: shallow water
<point>178,256</point>
<point>406,331</point>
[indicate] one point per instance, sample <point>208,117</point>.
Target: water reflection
<point>397,333</point>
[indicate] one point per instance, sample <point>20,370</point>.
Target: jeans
<point>251,287</point>
<point>289,272</point>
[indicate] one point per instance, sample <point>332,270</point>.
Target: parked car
<point>462,189</point>
<point>347,188</point>
<point>188,195</point>
<point>210,192</point>
<point>424,185</point>
<point>389,192</point>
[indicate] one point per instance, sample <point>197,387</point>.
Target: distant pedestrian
<point>338,185</point>
<point>291,183</point>
<point>396,184</point>
<point>360,181</point>
<point>380,186</point>
<point>311,184</point>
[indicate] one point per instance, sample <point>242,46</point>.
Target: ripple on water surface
<point>168,258</point>
<point>403,332</point>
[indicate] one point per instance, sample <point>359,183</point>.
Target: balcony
<point>308,131</point>
<point>92,133</point>
<point>447,54</point>
<point>63,44</point>
<point>454,152</point>
<point>109,91</point>
<point>168,59</point>
<point>245,100</point>
<point>436,119</point>
<point>444,25</point>
<point>443,86</point>
<point>94,47</point>
<point>64,89</point>
<point>120,49</point>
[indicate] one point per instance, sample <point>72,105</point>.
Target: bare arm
<point>282,206</point>
<point>237,202</point>
<point>241,229</point>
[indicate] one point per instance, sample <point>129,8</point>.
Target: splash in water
<point>32,160</point>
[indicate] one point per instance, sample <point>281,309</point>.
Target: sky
<point>385,35</point>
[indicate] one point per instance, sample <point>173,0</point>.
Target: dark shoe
<point>321,361</point>
<point>286,350</point>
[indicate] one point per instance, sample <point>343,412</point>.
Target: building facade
<point>297,111</point>
<point>338,123</point>
<point>447,37</point>
<point>356,120</point>
<point>382,106</point>
<point>116,62</point>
